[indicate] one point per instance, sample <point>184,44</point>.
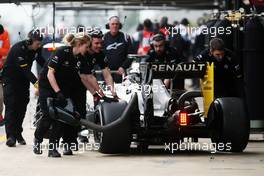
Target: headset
<point>2,30</point>
<point>158,37</point>
<point>34,34</point>
<point>120,24</point>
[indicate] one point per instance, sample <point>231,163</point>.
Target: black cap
<point>95,33</point>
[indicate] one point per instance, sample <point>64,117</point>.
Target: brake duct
<point>65,116</point>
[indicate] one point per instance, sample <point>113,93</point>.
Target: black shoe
<point>37,147</point>
<point>67,152</point>
<point>11,142</point>
<point>21,140</point>
<point>83,139</point>
<point>54,154</point>
<point>67,149</point>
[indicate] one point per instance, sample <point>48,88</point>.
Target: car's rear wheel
<point>230,124</point>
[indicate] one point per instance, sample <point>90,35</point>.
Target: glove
<point>116,98</point>
<point>97,98</point>
<point>109,100</point>
<point>61,100</point>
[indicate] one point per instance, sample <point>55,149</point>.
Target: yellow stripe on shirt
<point>24,65</point>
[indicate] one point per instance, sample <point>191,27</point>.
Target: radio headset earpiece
<point>34,34</point>
<point>2,30</point>
<point>107,24</point>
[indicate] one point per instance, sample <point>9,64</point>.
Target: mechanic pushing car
<point>17,76</point>
<point>94,57</point>
<point>58,79</point>
<point>227,72</point>
<point>117,46</point>
<point>163,53</point>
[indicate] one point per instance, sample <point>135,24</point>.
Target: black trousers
<point>16,99</point>
<point>46,122</point>
<point>78,97</point>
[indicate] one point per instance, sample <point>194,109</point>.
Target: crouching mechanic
<point>227,72</point>
<point>162,53</point>
<point>59,79</point>
<point>17,76</point>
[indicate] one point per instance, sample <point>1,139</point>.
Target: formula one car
<point>151,115</point>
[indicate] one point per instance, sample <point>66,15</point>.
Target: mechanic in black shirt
<point>96,56</point>
<point>227,72</point>
<point>93,59</point>
<point>59,79</point>
<point>162,53</point>
<point>117,46</point>
<point>17,76</point>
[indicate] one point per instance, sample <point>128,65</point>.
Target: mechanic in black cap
<point>17,76</point>
<point>60,79</point>
<point>117,45</point>
<point>95,58</point>
<point>227,72</point>
<point>161,52</point>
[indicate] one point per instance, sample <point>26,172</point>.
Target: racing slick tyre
<point>230,125</point>
<point>118,139</point>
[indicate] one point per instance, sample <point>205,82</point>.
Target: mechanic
<point>162,53</point>
<point>58,80</point>
<point>4,49</point>
<point>117,46</point>
<point>227,72</point>
<point>17,76</point>
<point>94,58</point>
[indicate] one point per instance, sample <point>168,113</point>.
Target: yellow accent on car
<point>207,87</point>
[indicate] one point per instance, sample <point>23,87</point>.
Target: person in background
<point>147,33</point>
<point>137,36</point>
<point>4,49</point>
<point>117,45</point>
<point>165,28</point>
<point>162,53</point>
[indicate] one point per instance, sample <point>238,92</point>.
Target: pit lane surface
<point>21,160</point>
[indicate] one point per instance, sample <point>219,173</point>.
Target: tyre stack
<point>253,63</point>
